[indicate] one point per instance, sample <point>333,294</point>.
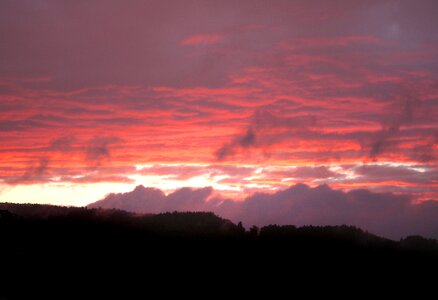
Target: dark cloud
<point>391,127</point>
<point>225,151</point>
<point>98,149</point>
<point>248,139</point>
<point>385,214</point>
<point>267,128</point>
<point>427,151</point>
<point>21,125</point>
<point>266,119</point>
<point>63,144</point>
<point>313,172</point>
<point>245,141</point>
<point>37,172</point>
<point>95,150</point>
<point>384,173</point>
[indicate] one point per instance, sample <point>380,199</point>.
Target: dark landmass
<point>44,246</point>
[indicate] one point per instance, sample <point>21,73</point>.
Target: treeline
<point>96,243</point>
<point>22,225</point>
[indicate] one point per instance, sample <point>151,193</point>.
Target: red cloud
<point>282,87</point>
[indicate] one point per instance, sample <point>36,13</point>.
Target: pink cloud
<point>282,86</point>
<point>202,39</point>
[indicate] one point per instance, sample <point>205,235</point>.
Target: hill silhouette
<point>97,242</point>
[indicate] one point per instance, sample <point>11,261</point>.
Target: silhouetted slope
<point>183,222</point>
<point>34,217</point>
<point>186,249</point>
<point>38,211</point>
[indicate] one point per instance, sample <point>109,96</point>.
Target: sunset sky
<point>243,96</point>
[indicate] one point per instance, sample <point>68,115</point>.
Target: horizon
<point>247,98</point>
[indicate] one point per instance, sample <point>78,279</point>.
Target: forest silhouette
<point>178,247</point>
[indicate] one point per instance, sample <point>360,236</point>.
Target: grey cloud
<point>187,199</point>
<point>385,214</point>
<point>381,173</point>
<point>63,144</point>
<point>141,199</point>
<point>36,172</point>
<point>94,150</point>
<point>21,125</point>
<point>426,152</point>
<point>151,200</point>
<point>99,149</point>
<point>245,141</point>
<point>261,121</point>
<point>265,119</point>
<point>404,117</point>
<point>302,173</point>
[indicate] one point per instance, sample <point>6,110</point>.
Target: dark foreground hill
<point>47,247</point>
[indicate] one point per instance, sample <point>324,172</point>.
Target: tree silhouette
<point>59,238</point>
<point>254,231</point>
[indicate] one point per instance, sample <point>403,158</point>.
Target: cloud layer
<point>385,214</point>
<point>245,96</point>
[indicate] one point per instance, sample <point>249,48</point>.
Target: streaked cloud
<point>245,96</point>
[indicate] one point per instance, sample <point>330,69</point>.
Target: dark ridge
<point>186,248</point>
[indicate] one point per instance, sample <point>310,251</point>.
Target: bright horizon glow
<point>68,194</point>
<point>248,96</point>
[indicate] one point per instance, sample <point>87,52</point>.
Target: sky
<point>247,97</point>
